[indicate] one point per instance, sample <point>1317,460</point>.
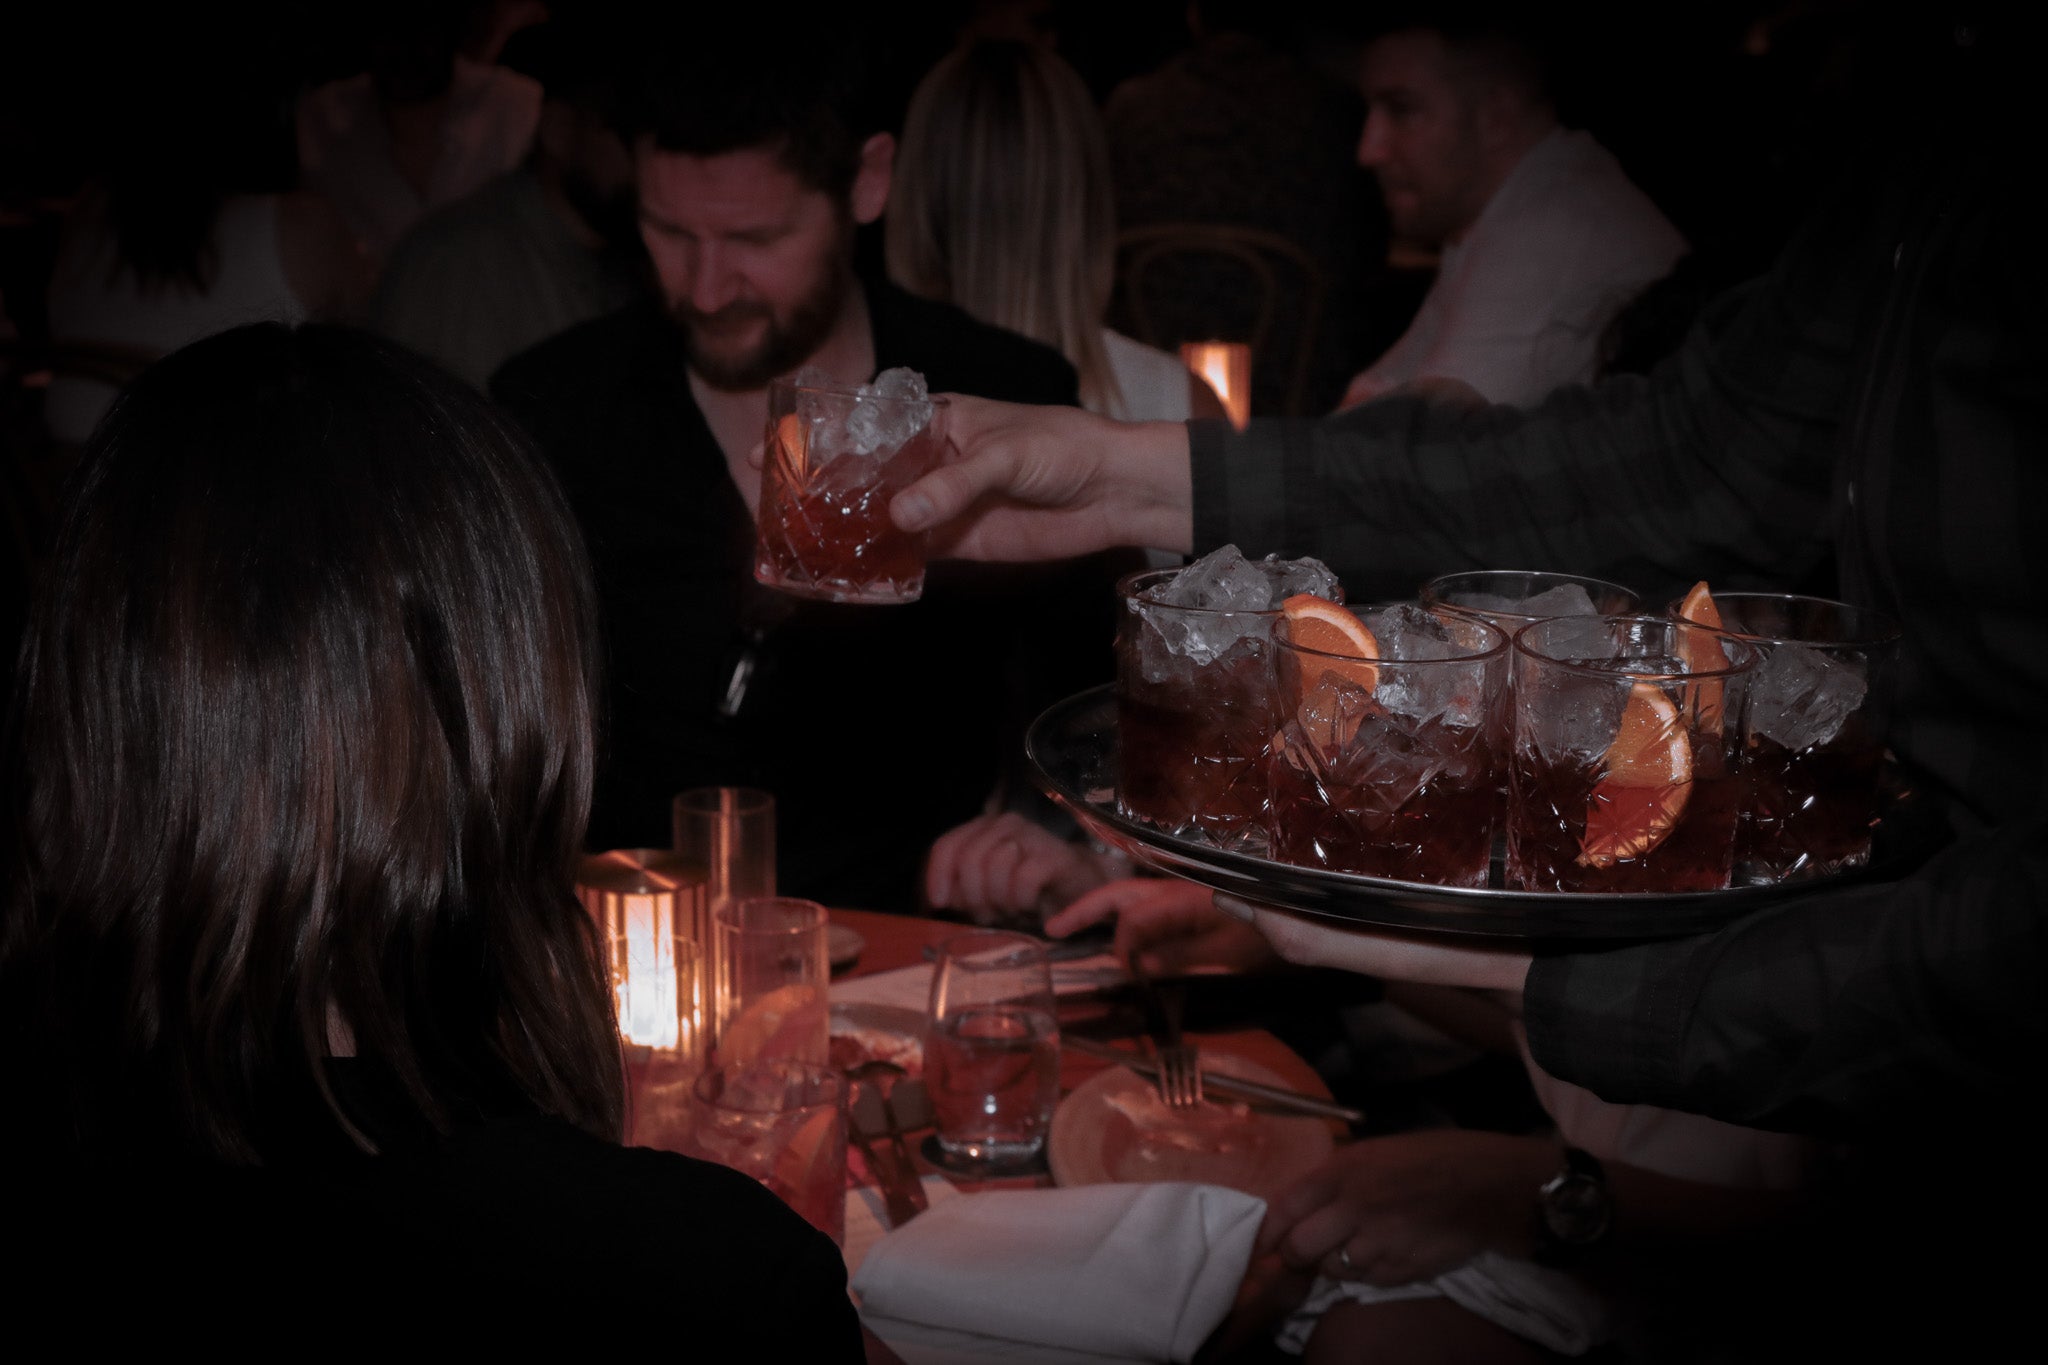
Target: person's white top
<point>94,300</point>
<point>1519,303</point>
<point>1152,384</point>
<point>345,147</point>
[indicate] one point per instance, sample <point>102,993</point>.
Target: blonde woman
<point>1002,205</point>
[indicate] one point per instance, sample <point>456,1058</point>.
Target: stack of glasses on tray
<point>1726,740</point>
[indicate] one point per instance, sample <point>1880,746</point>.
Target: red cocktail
<point>1196,709</point>
<point>1391,768</point>
<point>1626,768</point>
<point>1814,740</point>
<point>834,457</point>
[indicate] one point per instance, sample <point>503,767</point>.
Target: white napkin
<point>1139,1272</point>
<point>1546,1306</point>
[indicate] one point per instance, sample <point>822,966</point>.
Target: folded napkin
<point>1546,1306</point>
<point>1137,1272</point>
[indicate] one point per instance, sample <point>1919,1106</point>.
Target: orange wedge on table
<point>1324,626</point>
<point>1637,801</point>
<point>1701,655</point>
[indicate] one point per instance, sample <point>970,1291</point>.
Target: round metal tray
<point>1072,749</point>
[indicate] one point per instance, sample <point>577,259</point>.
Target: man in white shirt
<point>1541,237</point>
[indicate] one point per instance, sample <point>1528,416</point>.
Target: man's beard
<point>783,347</point>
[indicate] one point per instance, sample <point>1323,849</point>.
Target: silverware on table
<point>902,1189</point>
<point>1256,1093</point>
<point>1179,1066</point>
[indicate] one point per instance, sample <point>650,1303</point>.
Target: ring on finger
<point>1344,1259</point>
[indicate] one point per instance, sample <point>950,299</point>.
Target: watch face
<point>1576,1208</point>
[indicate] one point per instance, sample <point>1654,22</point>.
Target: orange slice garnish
<point>1328,710</point>
<point>1637,801</point>
<point>790,1021</point>
<point>1701,655</point>
<point>789,435</point>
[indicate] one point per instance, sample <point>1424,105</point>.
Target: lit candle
<point>646,903</point>
<point>1227,366</point>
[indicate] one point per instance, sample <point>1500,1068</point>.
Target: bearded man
<point>758,156</point>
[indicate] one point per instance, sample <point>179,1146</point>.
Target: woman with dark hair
<point>297,998</point>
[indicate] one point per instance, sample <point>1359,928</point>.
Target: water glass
<point>992,1050</point>
<point>1625,773</point>
<point>771,969</point>
<point>1819,708</point>
<point>782,1122</point>
<point>1394,768</point>
<point>730,833</point>
<point>834,456</point>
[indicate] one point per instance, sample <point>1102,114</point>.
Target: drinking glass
<point>833,458</point>
<point>730,833</point>
<point>1393,769</point>
<point>783,1122</point>
<point>771,971</point>
<point>657,986</point>
<point>1819,707</point>
<point>1196,711</point>
<point>1625,773</point>
<point>992,1050</point>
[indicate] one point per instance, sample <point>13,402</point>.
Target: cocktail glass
<point>1196,705</point>
<point>1819,707</point>
<point>782,1122</point>
<point>833,458</point>
<point>1625,772</point>
<point>992,1050</point>
<point>1393,770</point>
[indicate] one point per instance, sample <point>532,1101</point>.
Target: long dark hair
<point>301,751</point>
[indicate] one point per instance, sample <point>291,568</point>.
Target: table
<point>900,940</point>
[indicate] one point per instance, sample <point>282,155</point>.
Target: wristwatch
<point>1574,1209</point>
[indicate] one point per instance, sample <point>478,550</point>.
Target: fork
<point>1179,1080</point>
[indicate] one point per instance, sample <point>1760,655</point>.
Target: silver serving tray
<point>1072,750</point>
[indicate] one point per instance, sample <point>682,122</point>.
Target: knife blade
<point>1222,1083</point>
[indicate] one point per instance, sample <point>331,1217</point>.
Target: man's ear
<point>871,182</point>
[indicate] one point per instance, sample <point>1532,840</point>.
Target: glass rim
<point>1128,587</point>
<point>726,915</point>
<point>1886,628</point>
<point>1522,647</point>
<point>842,390</point>
<point>1500,647</point>
<point>710,800</point>
<point>1562,577</point>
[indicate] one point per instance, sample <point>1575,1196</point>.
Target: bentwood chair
<point>1190,281</point>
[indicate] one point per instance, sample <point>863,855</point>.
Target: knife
<point>902,1191</point>
<point>1222,1083</point>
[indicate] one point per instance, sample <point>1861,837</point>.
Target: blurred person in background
<point>1542,238</point>
<point>192,226</point>
<point>1002,204</point>
<point>422,126</point>
<point>548,245</point>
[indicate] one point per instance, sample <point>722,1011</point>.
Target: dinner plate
<point>1114,1128</point>
<point>1072,751</point>
<point>864,1033</point>
<point>843,945</point>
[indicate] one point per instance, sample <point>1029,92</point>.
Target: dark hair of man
<point>1496,42</point>
<point>298,764</point>
<point>758,77</point>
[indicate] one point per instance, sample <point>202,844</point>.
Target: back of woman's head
<point>301,759</point>
<point>1002,201</point>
